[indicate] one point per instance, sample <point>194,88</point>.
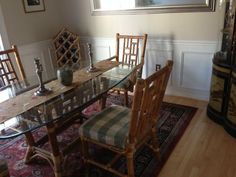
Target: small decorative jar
<point>65,75</point>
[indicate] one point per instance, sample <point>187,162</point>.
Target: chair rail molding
<point>191,74</point>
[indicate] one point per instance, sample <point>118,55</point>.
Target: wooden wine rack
<point>66,48</point>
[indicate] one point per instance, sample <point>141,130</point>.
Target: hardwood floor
<point>205,149</point>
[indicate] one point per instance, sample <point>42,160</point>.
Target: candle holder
<point>39,69</point>
<point>91,68</point>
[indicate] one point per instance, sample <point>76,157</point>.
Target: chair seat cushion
<point>110,126</point>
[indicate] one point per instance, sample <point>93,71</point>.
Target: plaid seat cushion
<point>110,126</point>
<point>3,169</point>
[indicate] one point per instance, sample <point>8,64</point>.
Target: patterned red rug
<point>173,122</point>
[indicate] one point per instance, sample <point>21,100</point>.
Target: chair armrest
<point>138,67</point>
<point>111,58</point>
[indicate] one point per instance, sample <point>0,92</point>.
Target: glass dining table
<point>22,113</point>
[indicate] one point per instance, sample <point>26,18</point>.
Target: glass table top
<point>61,106</point>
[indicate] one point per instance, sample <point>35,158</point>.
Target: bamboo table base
<point>55,158</point>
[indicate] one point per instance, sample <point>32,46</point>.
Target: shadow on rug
<point>174,119</point>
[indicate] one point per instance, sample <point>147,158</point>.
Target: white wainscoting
<point>42,50</point>
<point>190,77</point>
<point>191,74</point>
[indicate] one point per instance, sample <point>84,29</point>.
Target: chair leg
<point>4,171</point>
<point>155,142</point>
<point>85,154</point>
<point>126,98</point>
<point>130,164</point>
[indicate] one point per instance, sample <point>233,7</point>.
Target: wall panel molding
<point>200,65</point>
<point>187,79</point>
<point>192,60</point>
<point>42,50</point>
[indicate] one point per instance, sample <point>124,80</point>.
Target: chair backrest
<point>8,73</point>
<point>128,49</point>
<point>148,96</point>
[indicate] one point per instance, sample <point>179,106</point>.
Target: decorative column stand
<point>39,69</point>
<point>90,54</point>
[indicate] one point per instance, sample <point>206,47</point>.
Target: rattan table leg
<point>102,101</point>
<point>30,150</point>
<point>57,157</point>
<point>54,158</point>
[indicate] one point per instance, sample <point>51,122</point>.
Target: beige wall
<point>25,28</point>
<point>182,26</point>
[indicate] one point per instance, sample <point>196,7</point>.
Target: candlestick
<point>90,54</point>
<point>39,69</point>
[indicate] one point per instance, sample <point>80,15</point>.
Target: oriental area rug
<point>174,119</point>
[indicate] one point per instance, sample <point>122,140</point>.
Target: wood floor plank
<point>205,149</point>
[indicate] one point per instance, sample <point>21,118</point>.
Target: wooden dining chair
<point>8,75</point>
<point>8,71</point>
<point>130,50</point>
<point>123,130</point>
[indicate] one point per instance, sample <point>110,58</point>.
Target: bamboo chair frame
<point>148,97</point>
<point>129,54</point>
<point>8,74</point>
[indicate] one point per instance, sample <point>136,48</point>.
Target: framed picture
<point>33,5</point>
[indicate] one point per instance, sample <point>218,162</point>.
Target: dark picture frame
<point>33,6</point>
